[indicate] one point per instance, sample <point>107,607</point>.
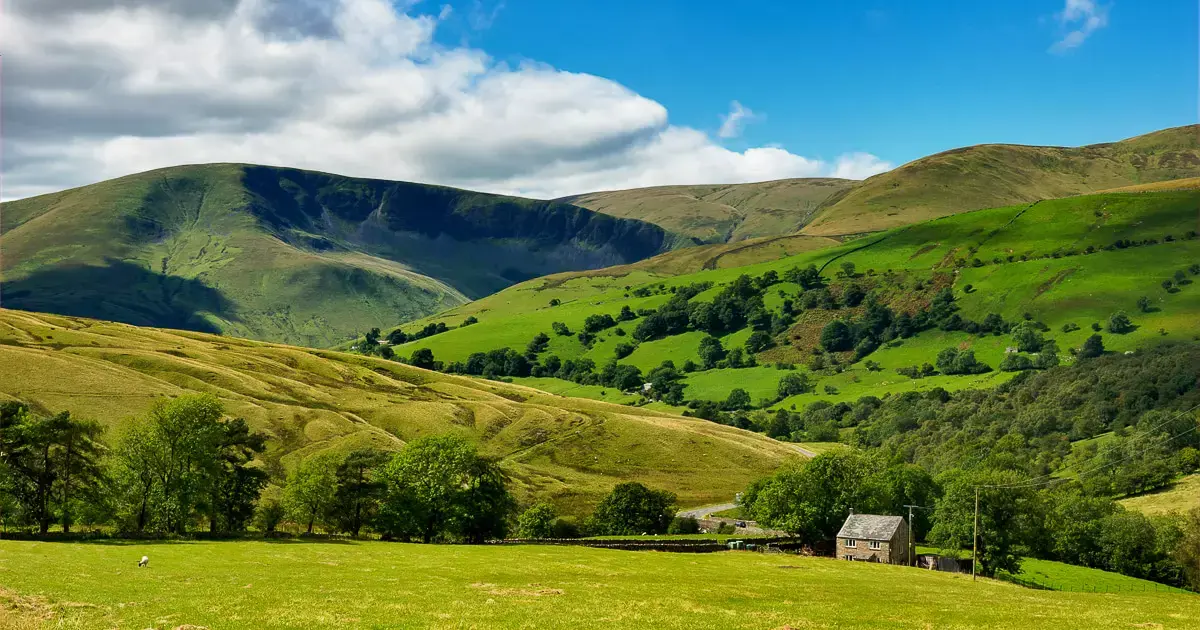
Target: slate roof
<point>871,527</point>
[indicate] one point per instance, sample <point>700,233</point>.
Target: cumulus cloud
<point>732,123</point>
<point>1080,18</point>
<point>102,88</point>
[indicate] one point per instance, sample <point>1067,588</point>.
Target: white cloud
<point>350,86</point>
<point>732,123</point>
<point>1082,18</point>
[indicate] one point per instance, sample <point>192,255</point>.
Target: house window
<point>875,544</point>
<point>850,542</point>
<point>850,558</point>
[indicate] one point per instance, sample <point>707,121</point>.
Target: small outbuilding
<point>873,538</point>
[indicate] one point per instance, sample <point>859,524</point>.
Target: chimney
<point>851,511</point>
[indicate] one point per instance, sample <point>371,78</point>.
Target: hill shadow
<point>119,291</point>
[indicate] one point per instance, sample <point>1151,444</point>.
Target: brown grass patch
<point>533,590</point>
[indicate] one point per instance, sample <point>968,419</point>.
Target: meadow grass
<point>1181,496</point>
<point>370,584</point>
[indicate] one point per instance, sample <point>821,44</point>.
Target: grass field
<point>237,585</point>
<point>1059,576</point>
<point>563,449</point>
<point>1181,496</point>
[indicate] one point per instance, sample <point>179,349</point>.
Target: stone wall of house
<point>889,552</point>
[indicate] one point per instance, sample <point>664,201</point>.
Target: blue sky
<point>897,79</point>
<point>546,98</point>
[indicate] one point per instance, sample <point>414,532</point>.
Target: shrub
<point>837,336</point>
<point>623,350</point>
<point>726,529</point>
<point>560,328</point>
<point>1093,347</point>
<point>684,525</point>
<point>537,522</point>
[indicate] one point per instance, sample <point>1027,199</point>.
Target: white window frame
<point>875,544</point>
<point>851,543</point>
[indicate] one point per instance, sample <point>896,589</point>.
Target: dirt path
<point>704,512</point>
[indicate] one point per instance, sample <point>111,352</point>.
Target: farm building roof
<point>870,527</point>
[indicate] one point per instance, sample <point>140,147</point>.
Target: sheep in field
<point>145,561</point>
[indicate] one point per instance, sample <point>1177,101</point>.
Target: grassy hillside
<point>566,450</point>
<point>1181,496</point>
<point>992,175</point>
<point>1067,263</point>
<point>721,213</point>
<point>232,585</point>
<point>289,255</point>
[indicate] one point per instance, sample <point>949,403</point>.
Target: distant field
<point>238,585</point>
<point>1059,576</point>
<point>1181,496</point>
<point>1026,259</point>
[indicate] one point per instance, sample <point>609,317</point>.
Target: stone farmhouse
<point>872,538</point>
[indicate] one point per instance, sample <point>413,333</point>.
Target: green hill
<point>566,450</point>
<point>959,180</point>
<point>992,175</point>
<point>290,255</point>
<point>718,214</point>
<point>1068,264</point>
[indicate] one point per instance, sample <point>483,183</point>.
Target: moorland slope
<point>566,450</point>
<point>290,255</point>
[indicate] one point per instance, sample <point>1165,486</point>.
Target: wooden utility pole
<point>975,537</point>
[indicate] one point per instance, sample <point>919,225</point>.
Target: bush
<point>758,341</point>
<point>794,383</point>
<point>537,522</point>
<point>837,336</point>
<point>623,350</point>
<point>684,525</point>
<point>726,529</point>
<point>1093,347</point>
<point>560,328</point>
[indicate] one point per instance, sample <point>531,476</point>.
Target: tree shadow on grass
<point>119,291</point>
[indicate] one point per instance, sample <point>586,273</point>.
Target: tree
<point>537,345</point>
<point>185,443</point>
<point>53,464</point>
<point>848,269</point>
<point>560,329</point>
<point>1119,323</point>
<point>234,484</point>
<point>623,350</point>
<point>632,509</point>
<point>359,489</point>
<point>794,383</point>
<point>837,336</point>
<point>738,400</point>
<point>439,486</point>
<point>311,489</point>
<point>1143,304</point>
<point>1008,514</point>
<point>1027,337</point>
<point>711,351</point>
<point>758,341</point>
<point>422,358</point>
<point>1092,347</point>
<point>813,499</point>
<point>537,521</point>
<point>1187,553</point>
<point>853,295</point>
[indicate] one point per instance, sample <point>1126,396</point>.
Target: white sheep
<point>145,561</point>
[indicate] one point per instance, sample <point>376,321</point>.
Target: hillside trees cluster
<point>187,465</point>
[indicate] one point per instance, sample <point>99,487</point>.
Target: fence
<point>676,545</point>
